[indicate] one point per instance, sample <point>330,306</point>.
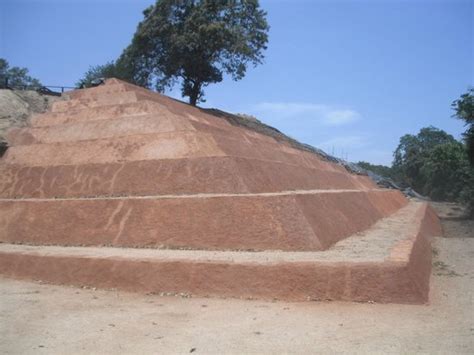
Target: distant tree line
<point>433,162</point>
<point>382,170</point>
<point>16,76</point>
<point>193,43</point>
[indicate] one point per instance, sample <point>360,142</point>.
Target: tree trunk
<point>195,92</point>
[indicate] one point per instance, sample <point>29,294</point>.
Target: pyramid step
<point>102,100</point>
<point>169,145</point>
<point>388,263</point>
<point>255,148</point>
<point>241,142</point>
<point>289,220</point>
<point>230,140</point>
<point>97,113</point>
<point>128,93</point>
<point>170,176</point>
<point>98,129</point>
<point>91,93</point>
<point>110,88</point>
<point>147,123</point>
<point>172,145</point>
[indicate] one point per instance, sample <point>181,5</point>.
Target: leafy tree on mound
<point>17,77</point>
<point>106,70</point>
<point>112,69</point>
<point>195,42</point>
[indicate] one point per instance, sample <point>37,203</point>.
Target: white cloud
<point>326,115</point>
<point>340,117</point>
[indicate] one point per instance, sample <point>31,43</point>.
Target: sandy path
<point>206,195</point>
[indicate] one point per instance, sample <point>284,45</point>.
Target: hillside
<point>15,108</point>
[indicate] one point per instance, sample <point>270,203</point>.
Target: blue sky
<point>350,77</point>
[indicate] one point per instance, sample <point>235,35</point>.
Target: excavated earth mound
<point>222,209</point>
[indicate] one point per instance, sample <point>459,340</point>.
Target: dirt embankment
<point>16,106</point>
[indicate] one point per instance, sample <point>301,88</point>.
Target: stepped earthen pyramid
<point>120,187</point>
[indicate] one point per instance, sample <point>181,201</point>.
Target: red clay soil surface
<point>372,245</point>
<point>289,220</point>
<point>390,262</point>
<point>45,319</point>
<point>171,175</point>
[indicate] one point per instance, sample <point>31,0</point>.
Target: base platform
<point>390,262</point>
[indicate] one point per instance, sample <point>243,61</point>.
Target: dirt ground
<point>39,318</point>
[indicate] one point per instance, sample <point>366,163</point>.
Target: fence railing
<point>44,89</point>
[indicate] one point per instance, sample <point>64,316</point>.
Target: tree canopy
<point>446,172</point>
<point>112,69</point>
<point>192,42</point>
<point>464,110</point>
<point>412,152</point>
<point>434,164</point>
<point>17,77</point>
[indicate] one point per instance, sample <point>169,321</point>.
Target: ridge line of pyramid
<point>36,119</point>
